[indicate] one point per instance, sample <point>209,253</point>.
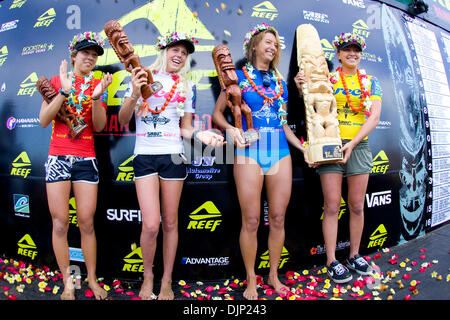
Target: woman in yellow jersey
<point>358,98</point>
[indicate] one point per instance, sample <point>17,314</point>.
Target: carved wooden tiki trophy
<point>125,52</point>
<point>322,125</point>
<point>228,79</point>
<point>48,93</point>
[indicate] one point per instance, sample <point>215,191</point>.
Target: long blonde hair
<point>160,65</point>
<point>256,39</point>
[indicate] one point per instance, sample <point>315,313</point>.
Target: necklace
<point>146,107</point>
<point>268,100</point>
<point>365,102</point>
<point>74,103</point>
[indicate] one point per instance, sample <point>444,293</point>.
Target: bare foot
<point>146,292</point>
<point>250,293</point>
<point>68,294</point>
<point>166,292</point>
<point>99,292</point>
<point>69,290</point>
<point>277,285</point>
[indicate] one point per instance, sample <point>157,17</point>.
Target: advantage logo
<point>265,263</point>
<point>378,199</point>
<point>133,261</point>
<point>212,261</point>
<point>380,163</point>
<point>126,170</point>
<point>27,247</point>
<point>3,55</point>
<point>21,166</point>
<point>361,28</point>
<point>21,205</point>
<point>28,86</point>
<point>46,18</point>
<point>205,217</point>
<point>378,237</point>
<point>265,10</point>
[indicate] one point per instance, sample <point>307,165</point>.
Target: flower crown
<point>88,35</point>
<point>164,41</point>
<point>349,38</point>
<point>249,35</point>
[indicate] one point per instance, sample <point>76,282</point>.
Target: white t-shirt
<point>159,133</point>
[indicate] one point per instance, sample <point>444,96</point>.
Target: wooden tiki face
<point>224,65</point>
<point>118,39</point>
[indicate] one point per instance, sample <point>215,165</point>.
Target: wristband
<point>95,99</point>
<point>63,93</point>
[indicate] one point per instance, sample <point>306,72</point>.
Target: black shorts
<point>146,165</point>
<point>71,168</point>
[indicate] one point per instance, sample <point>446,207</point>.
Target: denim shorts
<point>146,165</point>
<point>360,161</point>
<point>71,168</point>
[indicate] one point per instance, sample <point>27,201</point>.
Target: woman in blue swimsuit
<point>266,161</point>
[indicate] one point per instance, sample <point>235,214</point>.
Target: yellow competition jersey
<point>349,121</point>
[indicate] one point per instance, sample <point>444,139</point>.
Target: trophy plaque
<point>322,125</point>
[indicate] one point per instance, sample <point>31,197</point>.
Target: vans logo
<point>377,199</point>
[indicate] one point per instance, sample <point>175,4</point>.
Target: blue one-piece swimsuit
<point>272,145</point>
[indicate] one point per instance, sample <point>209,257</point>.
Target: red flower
<point>377,256</point>
<point>88,293</point>
<point>406,276</point>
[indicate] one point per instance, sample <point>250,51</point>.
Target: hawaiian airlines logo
<point>205,217</point>
<point>27,247</point>
<point>265,263</point>
<point>21,205</point>
<point>17,4</point>
<point>361,28</point>
<point>28,86</point>
<point>380,163</point>
<point>21,166</point>
<point>133,261</point>
<point>265,10</point>
<point>46,18</point>
<point>126,170</point>
<point>378,237</point>
<point>3,55</point>
<point>11,123</point>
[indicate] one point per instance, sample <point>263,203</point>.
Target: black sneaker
<point>338,272</point>
<point>359,264</point>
